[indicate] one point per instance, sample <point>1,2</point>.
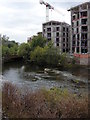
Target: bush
<point>54,103</point>
<point>24,50</point>
<point>37,41</point>
<point>45,56</point>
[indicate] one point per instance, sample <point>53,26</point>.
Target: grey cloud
<point>25,16</point>
<point>18,5</point>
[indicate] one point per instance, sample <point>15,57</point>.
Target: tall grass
<point>53,103</point>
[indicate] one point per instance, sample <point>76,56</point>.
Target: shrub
<point>45,56</point>
<point>54,103</point>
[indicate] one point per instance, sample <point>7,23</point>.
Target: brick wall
<point>82,59</point>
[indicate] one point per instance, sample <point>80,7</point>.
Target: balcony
<point>84,14</point>
<point>84,29</point>
<point>48,29</point>
<point>84,21</point>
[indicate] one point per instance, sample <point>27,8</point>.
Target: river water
<point>31,77</point>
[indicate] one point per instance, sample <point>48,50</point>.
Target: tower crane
<point>48,6</point>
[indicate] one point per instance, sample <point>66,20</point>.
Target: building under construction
<point>59,33</point>
<point>80,32</point>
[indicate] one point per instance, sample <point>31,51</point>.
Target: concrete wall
<point>84,61</point>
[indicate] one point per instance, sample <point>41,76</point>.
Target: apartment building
<point>59,33</point>
<point>80,28</point>
<point>80,32</point>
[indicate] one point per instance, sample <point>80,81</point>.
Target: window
<point>63,39</point>
<point>77,23</point>
<point>67,39</point>
<point>48,29</point>
<point>63,45</point>
<point>63,34</point>
<point>57,44</point>
<point>84,21</point>
<point>86,51</point>
<point>74,37</point>
<point>84,28</point>
<point>84,14</point>
<point>84,36</point>
<point>49,39</point>
<point>67,45</point>
<point>77,43</point>
<point>82,50</point>
<point>49,35</point>
<point>72,24</point>
<point>73,49</point>
<point>57,28</point>
<point>57,34</point>
<point>63,28</point>
<point>78,36</point>
<point>57,39</point>
<point>85,43</point>
<point>67,30</point>
<point>77,30</point>
<point>74,17</point>
<point>78,16</point>
<point>63,50</point>
<point>77,49</point>
<point>67,50</point>
<point>73,43</point>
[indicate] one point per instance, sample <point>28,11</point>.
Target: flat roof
<point>52,21</point>
<point>78,6</point>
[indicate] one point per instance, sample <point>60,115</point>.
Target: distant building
<point>39,33</point>
<point>29,39</point>
<point>59,33</point>
<point>80,28</point>
<point>80,32</point>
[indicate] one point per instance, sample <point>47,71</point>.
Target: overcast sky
<point>20,19</point>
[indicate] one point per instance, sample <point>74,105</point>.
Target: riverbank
<point>13,58</point>
<point>53,103</point>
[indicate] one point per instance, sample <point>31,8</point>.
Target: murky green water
<point>31,77</point>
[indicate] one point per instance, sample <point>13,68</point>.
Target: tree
<point>24,50</point>
<point>5,51</point>
<point>38,41</point>
<point>52,56</point>
<point>46,56</point>
<point>63,59</point>
<point>38,55</point>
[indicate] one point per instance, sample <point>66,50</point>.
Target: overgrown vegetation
<point>48,55</point>
<point>54,103</point>
<point>38,51</point>
<point>8,47</point>
<point>24,50</point>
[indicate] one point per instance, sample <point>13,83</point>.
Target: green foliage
<point>9,48</point>
<point>52,56</point>
<point>13,50</point>
<point>45,55</point>
<point>73,61</point>
<point>50,44</point>
<point>37,41</point>
<point>37,55</point>
<point>63,59</point>
<point>55,94</point>
<point>5,51</point>
<point>24,50</point>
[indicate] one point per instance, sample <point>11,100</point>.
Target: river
<point>31,77</point>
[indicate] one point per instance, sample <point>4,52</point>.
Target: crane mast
<point>48,6</point>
